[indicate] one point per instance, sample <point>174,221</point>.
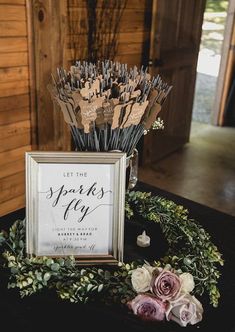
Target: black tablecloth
<point>44,311</point>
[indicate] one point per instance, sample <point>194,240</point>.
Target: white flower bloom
<point>187,282</point>
<point>186,310</point>
<point>150,268</point>
<point>141,278</point>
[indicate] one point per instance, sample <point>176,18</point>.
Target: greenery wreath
<point>151,290</point>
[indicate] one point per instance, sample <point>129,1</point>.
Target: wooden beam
<point>49,26</point>
<point>32,82</point>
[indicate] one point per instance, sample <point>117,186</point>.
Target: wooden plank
<point>13,29</point>
<point>18,114</point>
<point>180,58</point>
<point>14,2</point>
<point>13,59</point>
<point>14,155</point>
<point>14,74</point>
<point>130,59</point>
<point>122,49</point>
<point>130,4</point>
<point>123,37</point>
<point>14,88</point>
<point>139,37</point>
<point>52,130</point>
<point>12,186</point>
<point>9,103</point>
<point>14,142</point>
<point>12,13</point>
<point>14,135</point>
<point>13,129</point>
<point>132,20</point>
<point>12,167</point>
<point>18,44</point>
<point>32,73</point>
<point>12,205</point>
<point>125,48</point>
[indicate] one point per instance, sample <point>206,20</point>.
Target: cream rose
<point>140,279</point>
<point>185,310</point>
<point>187,282</point>
<point>151,269</point>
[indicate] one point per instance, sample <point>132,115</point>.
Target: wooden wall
<point>15,136</point>
<point>50,37</point>
<point>134,29</point>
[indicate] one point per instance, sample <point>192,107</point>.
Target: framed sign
<point>75,205</point>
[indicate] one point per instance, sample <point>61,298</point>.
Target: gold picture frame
<point>75,205</point>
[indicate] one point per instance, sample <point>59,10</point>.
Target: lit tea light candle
<point>143,240</point>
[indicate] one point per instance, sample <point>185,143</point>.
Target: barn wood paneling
<point>15,125</point>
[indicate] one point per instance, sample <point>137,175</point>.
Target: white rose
<point>185,310</point>
<point>151,268</point>
<point>141,279</point>
<point>187,282</point>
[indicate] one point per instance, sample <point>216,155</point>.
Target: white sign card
<point>75,205</point>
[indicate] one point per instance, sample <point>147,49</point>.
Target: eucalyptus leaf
<point>100,287</point>
<point>55,267</point>
<point>46,276</point>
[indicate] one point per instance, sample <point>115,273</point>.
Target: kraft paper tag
<point>152,98</point>
<point>152,115</point>
<point>76,97</point>
<point>116,115</point>
<point>99,121</point>
<point>108,111</point>
<point>127,113</point>
<point>90,89</point>
<point>68,112</point>
<point>133,84</point>
<point>89,111</point>
<point>88,114</point>
<point>79,120</point>
<point>135,94</point>
<point>136,114</point>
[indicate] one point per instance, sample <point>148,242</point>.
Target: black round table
<point>45,312</point>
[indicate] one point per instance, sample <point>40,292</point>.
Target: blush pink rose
<point>148,307</point>
<point>165,285</point>
<point>185,310</point>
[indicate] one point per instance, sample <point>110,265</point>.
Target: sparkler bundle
<point>106,105</point>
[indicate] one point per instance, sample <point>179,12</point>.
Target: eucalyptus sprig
<point>190,250</point>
